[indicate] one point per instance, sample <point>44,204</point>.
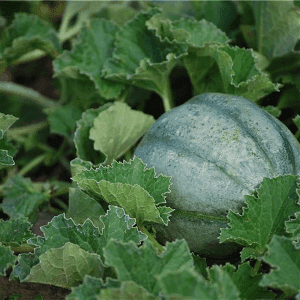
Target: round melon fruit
<point>217,148</point>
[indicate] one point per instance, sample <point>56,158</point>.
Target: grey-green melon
<point>217,148</point>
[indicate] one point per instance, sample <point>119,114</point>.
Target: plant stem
<point>30,56</point>
<point>64,33</point>
<point>63,91</point>
<point>61,204</point>
<point>22,140</point>
<point>152,239</point>
<point>167,97</point>
<point>43,147</point>
<point>24,92</point>
<point>65,163</point>
<point>256,268</point>
<point>64,189</point>
<point>55,211</point>
<point>32,164</point>
<point>23,248</point>
<point>128,155</point>
<point>28,129</point>
<point>60,151</point>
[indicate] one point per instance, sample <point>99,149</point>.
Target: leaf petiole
<point>167,97</point>
<point>27,93</point>
<point>256,268</point>
<point>32,164</point>
<point>23,248</point>
<point>28,129</point>
<point>154,242</point>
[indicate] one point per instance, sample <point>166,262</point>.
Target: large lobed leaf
<point>129,185</point>
<point>63,120</point>
<point>15,231</point>
<point>65,266</point>
<point>285,260</point>
<point>265,215</point>
<point>87,57</point>
<point>27,33</point>
<point>141,265</point>
<point>82,207</point>
<point>22,198</point>
<point>277,27</point>
<point>213,66</point>
<point>85,243</point>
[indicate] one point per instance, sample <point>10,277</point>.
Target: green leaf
<point>249,32</point>
<point>84,145</point>
<point>141,265</point>
<point>91,288</point>
<point>63,120</point>
<point>5,122</point>
<point>5,159</point>
<point>142,59</point>
<point>7,259</point>
<point>25,262</point>
<point>114,225</point>
<point>274,111</point>
<point>28,33</point>
<point>213,67</point>
<point>61,231</point>
<point>289,99</point>
<point>134,43</point>
<point>207,9</point>
<point>119,13</point>
<point>82,206</point>
<point>118,226</point>
<point>77,165</point>
<point>265,215</point>
<point>173,12</point>
<point>21,198</point>
<point>225,69</point>
<point>188,31</point>
<point>6,144</point>
<point>139,192</point>
<point>117,129</point>
<point>285,69</point>
<point>285,260</point>
<point>293,227</point>
<point>89,52</point>
<point>200,265</point>
<point>223,283</point>
<point>189,285</point>
<point>246,283</point>
<point>127,291</point>
<point>82,11</point>
<point>261,61</point>
<point>277,27</point>
<point>80,93</point>
<point>15,232</point>
<point>297,121</point>
<point>65,266</point>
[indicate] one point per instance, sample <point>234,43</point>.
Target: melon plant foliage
<point>117,66</point>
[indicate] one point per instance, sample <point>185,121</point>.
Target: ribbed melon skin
<point>217,148</point>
